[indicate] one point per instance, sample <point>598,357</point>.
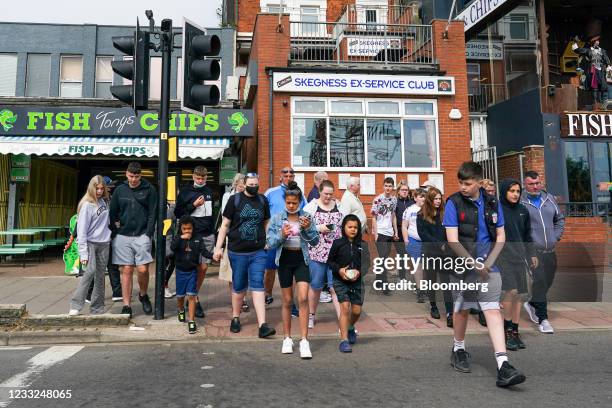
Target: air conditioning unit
<point>231,88</point>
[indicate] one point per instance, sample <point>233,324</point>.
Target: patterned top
<point>320,252</point>
<point>383,208</point>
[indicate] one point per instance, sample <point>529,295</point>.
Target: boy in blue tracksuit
<point>474,225</point>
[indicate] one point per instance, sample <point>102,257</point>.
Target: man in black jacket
<point>132,218</point>
<point>196,200</point>
<point>518,255</point>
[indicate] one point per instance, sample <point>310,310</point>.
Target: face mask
<point>293,212</point>
<point>252,190</point>
<point>196,185</point>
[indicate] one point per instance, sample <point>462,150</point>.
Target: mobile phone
<point>331,227</point>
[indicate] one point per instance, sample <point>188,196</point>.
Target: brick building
<point>361,90</point>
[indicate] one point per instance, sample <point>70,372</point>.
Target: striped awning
<point>192,147</point>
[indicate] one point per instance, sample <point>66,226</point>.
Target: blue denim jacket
<point>274,237</point>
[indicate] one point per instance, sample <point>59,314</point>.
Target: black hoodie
<point>353,254</point>
<point>518,247</point>
<point>134,209</point>
<point>202,224</point>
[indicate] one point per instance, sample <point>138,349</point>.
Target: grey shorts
<point>209,244</point>
<point>473,299</point>
<point>132,251</point>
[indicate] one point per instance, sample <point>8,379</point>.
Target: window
<point>309,16</point>
<point>364,133</point>
<point>275,8</point>
<point>8,74</point>
<point>38,71</point>
<point>104,77</point>
<point>71,77</point>
<point>371,16</point>
<point>520,62</point>
<point>473,76</point>
<point>155,73</point>
<point>578,171</point>
<point>519,27</point>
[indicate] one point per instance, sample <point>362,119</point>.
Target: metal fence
<point>485,95</point>
<point>586,209</point>
<point>345,42</point>
<point>487,158</point>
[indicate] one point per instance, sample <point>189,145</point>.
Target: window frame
<point>96,81</point>
<point>61,81</point>
<point>13,56</point>
<point>366,115</point>
<point>524,22</point>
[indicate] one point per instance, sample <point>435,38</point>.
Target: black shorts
<point>352,292</point>
<point>291,265</point>
<point>514,276</point>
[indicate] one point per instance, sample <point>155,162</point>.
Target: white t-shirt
<point>383,208</point>
<point>410,215</point>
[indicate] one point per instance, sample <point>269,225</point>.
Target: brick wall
<point>335,7</point>
<point>508,166</point>
<point>584,243</point>
<point>534,160</point>
<point>247,13</point>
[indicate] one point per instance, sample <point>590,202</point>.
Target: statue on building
<point>597,68</point>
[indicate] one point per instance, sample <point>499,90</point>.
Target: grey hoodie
<point>547,222</point>
<point>92,226</point>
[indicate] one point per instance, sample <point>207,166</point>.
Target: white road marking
<point>208,353</point>
<point>7,348</point>
<point>39,363</point>
<point>207,367</point>
<point>207,385</point>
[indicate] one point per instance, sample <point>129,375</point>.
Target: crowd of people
<point>317,243</point>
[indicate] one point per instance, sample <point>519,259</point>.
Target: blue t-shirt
<point>276,199</point>
<point>537,201</point>
<point>483,240</point>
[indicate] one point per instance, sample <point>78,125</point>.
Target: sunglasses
<point>252,175</point>
<point>288,171</point>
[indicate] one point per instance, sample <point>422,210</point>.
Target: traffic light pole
<point>164,115</point>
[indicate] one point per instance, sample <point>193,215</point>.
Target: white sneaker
<point>287,346</point>
<point>531,312</point>
<point>546,327</point>
<point>117,298</point>
<point>87,300</point>
<point>74,312</point>
<point>305,349</point>
<point>325,297</point>
<point>311,320</point>
<point>168,294</point>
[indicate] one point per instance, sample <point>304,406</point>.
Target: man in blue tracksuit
<point>547,223</point>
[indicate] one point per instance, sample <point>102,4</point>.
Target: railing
<point>484,95</point>
<point>586,209</point>
<point>487,158</point>
<point>346,42</point>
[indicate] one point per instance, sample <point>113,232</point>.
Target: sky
<point>111,12</point>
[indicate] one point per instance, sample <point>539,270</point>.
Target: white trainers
<point>287,346</point>
<point>305,349</point>
<point>531,312</point>
<point>168,294</point>
<point>325,297</point>
<point>74,312</point>
<point>117,298</point>
<point>311,320</point>
<point>546,327</point>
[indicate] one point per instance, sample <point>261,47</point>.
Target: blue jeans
<point>320,273</point>
<point>248,270</point>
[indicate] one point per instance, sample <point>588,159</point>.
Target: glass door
<point>602,171</point>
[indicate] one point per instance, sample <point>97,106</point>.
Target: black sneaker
<point>511,343</point>
<point>192,327</point>
<point>434,312</point>
<point>127,310</point>
<point>481,319</point>
<point>269,299</point>
<point>235,325</point>
<point>518,340</point>
<point>199,310</point>
<point>146,304</point>
<point>420,297</point>
<point>181,316</point>
<point>508,375</point>
<point>459,361</point>
<point>266,331</point>
<point>449,320</point>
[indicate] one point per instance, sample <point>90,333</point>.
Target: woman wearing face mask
<point>433,235</point>
<point>289,233</point>
<point>245,220</point>
<point>93,238</point>
<point>327,215</point>
<point>412,238</point>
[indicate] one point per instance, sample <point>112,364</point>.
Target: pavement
<point>569,369</point>
<point>47,291</point>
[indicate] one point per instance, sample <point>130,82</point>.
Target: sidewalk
<point>46,290</point>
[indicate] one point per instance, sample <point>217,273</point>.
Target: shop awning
<point>189,147</point>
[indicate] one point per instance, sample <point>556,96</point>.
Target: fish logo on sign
<point>237,120</point>
<point>7,119</point>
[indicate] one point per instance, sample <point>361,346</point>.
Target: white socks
<point>457,345</point>
<point>501,357</point>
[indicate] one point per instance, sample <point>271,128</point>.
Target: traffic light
<point>196,68</point>
<point>137,69</point>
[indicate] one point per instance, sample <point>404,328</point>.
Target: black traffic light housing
<point>137,69</point>
<point>196,69</point>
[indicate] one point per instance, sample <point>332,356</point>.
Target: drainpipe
<point>270,129</point>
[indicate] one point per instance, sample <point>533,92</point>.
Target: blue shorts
<point>414,248</point>
<point>271,259</point>
<point>319,274</point>
<point>248,270</point>
<point>186,283</point>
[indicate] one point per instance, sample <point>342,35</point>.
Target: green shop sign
<point>18,120</point>
<point>20,168</point>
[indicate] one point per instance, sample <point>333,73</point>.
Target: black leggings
<point>169,269</point>
<point>432,275</point>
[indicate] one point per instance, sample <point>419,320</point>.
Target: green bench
<point>9,251</point>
